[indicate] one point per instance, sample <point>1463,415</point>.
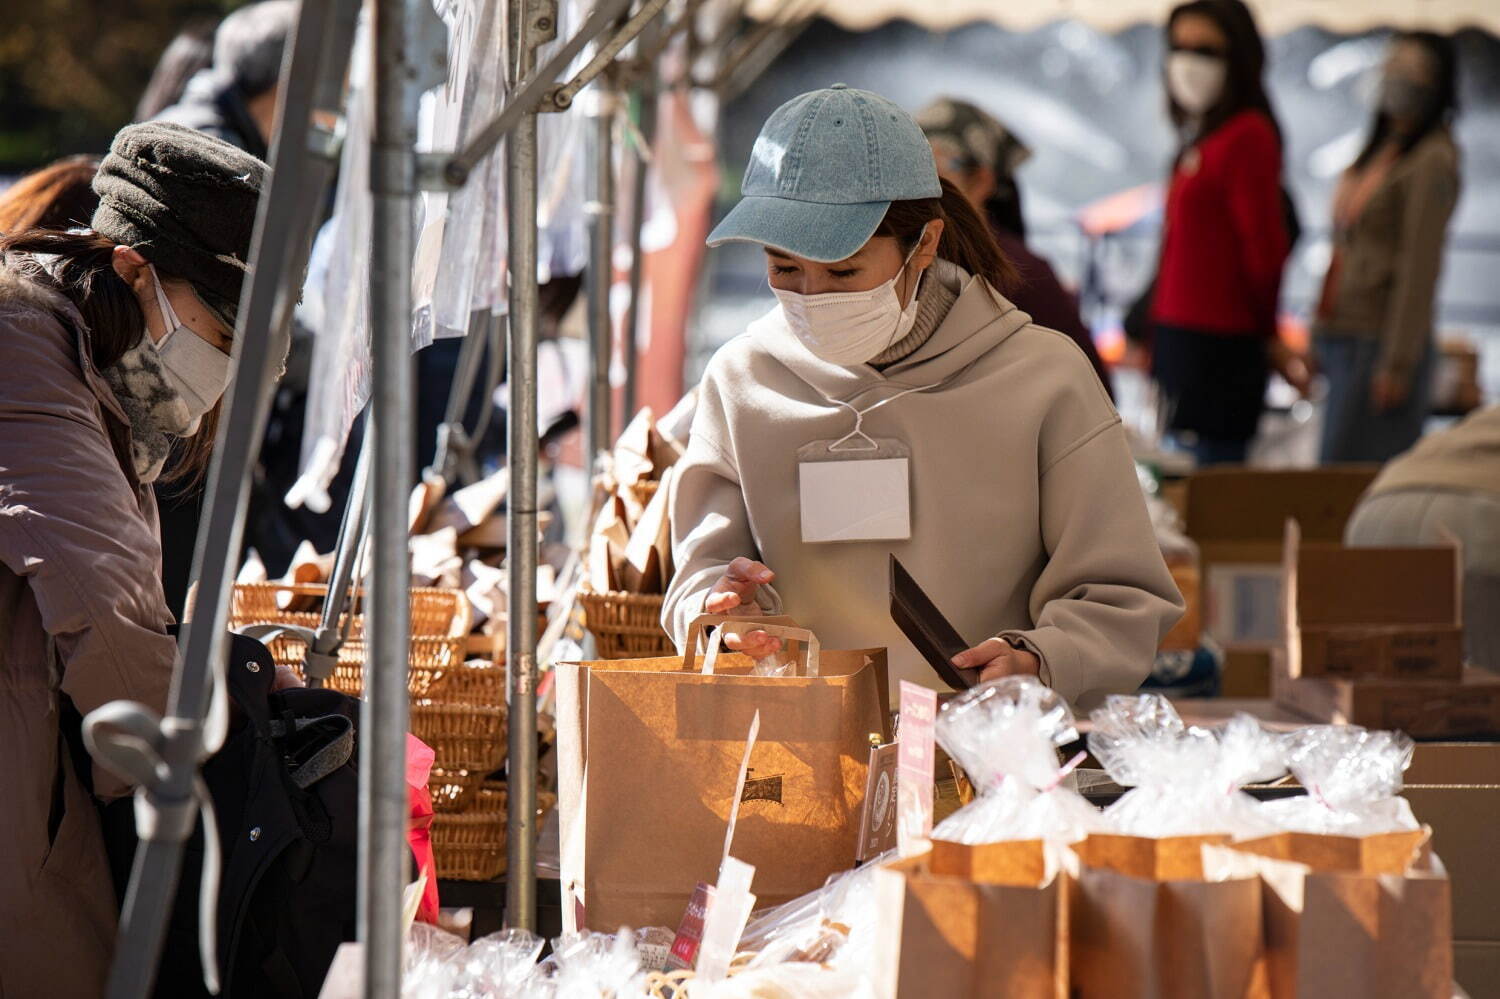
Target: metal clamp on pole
<point>533,82</point>
<point>561,98</point>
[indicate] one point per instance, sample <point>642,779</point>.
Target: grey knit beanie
<point>186,201</point>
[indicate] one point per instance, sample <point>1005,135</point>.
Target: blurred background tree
<point>72,70</point>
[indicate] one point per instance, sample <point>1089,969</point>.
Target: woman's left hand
<point>996,658</point>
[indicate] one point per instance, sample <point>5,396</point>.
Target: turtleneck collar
<point>940,289</point>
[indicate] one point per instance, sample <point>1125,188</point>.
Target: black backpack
<point>285,787</point>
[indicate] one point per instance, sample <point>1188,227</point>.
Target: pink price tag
<point>914,766</point>
<point>684,952</point>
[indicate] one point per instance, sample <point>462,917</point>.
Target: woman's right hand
<point>734,595</point>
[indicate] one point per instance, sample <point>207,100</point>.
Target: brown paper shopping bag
<point>971,922</point>
<point>649,753</point>
<point>1350,916</point>
<point>1147,925</point>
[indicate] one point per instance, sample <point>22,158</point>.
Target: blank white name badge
<point>861,495</point>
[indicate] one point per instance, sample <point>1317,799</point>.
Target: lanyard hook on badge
<point>859,418</point>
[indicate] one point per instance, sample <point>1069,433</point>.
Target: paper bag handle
<point>806,638</point>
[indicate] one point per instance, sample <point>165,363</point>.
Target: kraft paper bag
<point>1146,924</point>
<point>1350,916</point>
<point>649,754</point>
<point>971,922</point>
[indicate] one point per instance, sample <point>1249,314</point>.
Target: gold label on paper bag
<point>762,789</point>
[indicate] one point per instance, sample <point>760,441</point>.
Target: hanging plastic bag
<point>1353,778</point>
<point>1184,780</point>
<point>1005,734</point>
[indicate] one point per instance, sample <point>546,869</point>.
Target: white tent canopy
<point>1275,16</point>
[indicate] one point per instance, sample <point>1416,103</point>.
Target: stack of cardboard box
<point>1237,517</point>
<point>1374,637</point>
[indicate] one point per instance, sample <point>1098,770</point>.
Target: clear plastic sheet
<point>1185,780</point>
<point>460,233</point>
<point>1353,778</point>
<point>339,383</point>
<point>1005,735</point>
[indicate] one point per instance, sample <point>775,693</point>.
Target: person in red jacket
<point>1224,239</point>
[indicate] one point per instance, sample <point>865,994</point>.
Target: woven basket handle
<point>806,640</point>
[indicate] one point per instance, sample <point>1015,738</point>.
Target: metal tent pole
<point>322,652</point>
<point>382,798</point>
<point>630,347</point>
<point>534,23</point>
<point>162,755</point>
<point>601,216</point>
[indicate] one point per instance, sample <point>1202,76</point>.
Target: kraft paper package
<point>1354,902</point>
<point>985,911</point>
<point>649,755</point>
<point>1148,921</point>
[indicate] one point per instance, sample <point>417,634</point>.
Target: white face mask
<point>197,369</point>
<point>848,328</point>
<point>1196,81</point>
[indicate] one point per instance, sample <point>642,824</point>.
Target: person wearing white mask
<point>1374,333</point>
<point>1225,236</point>
<point>114,347</point>
<point>895,402</point>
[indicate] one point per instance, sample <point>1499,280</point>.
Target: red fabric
<point>1224,243</point>
<point>419,760</point>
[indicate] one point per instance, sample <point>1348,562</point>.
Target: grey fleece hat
<point>187,202</point>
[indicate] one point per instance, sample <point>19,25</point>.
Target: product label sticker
<point>877,827</point>
<point>914,782</point>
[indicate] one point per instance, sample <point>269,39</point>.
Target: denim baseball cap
<point>824,169</point>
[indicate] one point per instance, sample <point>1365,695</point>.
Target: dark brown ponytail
<point>967,240</point>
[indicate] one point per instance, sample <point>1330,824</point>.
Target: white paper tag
<point>856,500</point>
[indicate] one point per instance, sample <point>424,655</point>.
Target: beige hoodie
<point>1027,519</point>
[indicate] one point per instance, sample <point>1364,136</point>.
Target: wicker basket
<point>462,736</point>
<point>626,625</point>
<point>454,790</point>
<point>436,667</point>
<point>470,846</point>
<point>435,613</point>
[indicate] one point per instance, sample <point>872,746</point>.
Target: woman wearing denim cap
<point>1000,473</point>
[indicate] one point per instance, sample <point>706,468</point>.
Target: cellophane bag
<point>1184,780</point>
<point>588,966</point>
<point>833,926</point>
<point>1005,735</point>
<point>1353,778</point>
<point>440,966</point>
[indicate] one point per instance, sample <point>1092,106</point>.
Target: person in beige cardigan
<point>1374,330</point>
<point>1027,525</point>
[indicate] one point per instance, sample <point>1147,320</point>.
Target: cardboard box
<point>1423,709</point>
<point>1238,517</point>
<point>1388,612</point>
